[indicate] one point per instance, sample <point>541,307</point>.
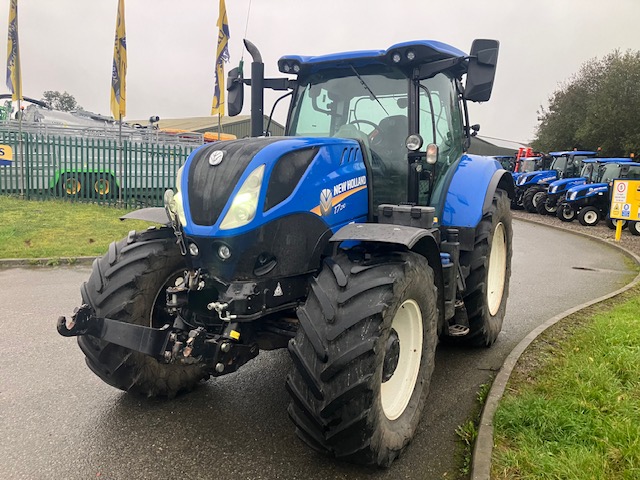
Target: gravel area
<point>627,241</point>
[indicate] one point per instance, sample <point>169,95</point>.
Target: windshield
<point>528,165</point>
<point>589,171</point>
<point>559,163</point>
<point>609,172</point>
<point>369,104</point>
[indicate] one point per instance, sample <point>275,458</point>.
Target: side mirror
<point>235,92</point>
<point>482,70</point>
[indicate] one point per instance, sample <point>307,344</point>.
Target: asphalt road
<point>59,421</point>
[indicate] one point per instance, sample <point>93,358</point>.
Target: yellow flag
<point>14,78</point>
<point>222,56</point>
<point>119,71</point>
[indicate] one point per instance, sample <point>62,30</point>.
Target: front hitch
<point>80,323</point>
<point>147,340</point>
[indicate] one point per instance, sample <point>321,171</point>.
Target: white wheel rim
<point>497,269</point>
<point>590,216</point>
<point>536,198</point>
<point>397,391</point>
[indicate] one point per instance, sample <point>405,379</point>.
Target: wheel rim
<point>72,186</point>
<point>550,209</point>
<point>497,269</point>
<point>567,212</point>
<point>536,198</point>
<point>102,186</point>
<point>590,217</point>
<point>398,389</point>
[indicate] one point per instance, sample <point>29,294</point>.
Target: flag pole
<point>120,159</point>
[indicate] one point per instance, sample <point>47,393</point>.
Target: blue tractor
<point>590,202</point>
<point>557,191</point>
<point>532,187</point>
<point>357,241</point>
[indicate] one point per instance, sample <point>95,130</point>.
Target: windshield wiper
<point>368,89</point>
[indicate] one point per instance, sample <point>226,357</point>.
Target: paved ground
<point>57,420</point>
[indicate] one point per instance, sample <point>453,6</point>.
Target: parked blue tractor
<point>590,202</point>
<point>357,241</point>
<point>591,171</point>
<point>532,187</point>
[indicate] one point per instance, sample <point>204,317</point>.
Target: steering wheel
<point>365,122</point>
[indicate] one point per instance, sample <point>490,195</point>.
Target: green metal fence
<point>94,168</point>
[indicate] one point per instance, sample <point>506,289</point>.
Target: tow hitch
<point>151,341</point>
<point>169,344</point>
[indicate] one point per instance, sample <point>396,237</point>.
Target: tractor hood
<point>540,176</point>
<point>232,187</point>
<point>565,183</point>
<point>588,190</point>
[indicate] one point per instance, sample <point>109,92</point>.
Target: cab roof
<point>572,152</point>
<point>607,160</point>
<point>411,54</point>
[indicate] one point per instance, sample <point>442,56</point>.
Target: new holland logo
<point>216,158</point>
<point>326,199</point>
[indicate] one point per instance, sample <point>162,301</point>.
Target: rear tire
<point>528,199</point>
<point>541,203</point>
<point>550,210</point>
<point>489,267</point>
<point>634,228</point>
<point>128,284</point>
<point>589,216</point>
<point>364,355</point>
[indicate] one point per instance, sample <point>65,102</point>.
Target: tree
<point>597,107</point>
<point>60,101</point>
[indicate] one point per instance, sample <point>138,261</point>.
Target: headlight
<point>573,195</point>
<point>553,189</point>
<point>522,180</point>
<point>173,203</point>
<point>245,203</point>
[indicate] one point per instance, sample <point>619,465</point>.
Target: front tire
<point>489,267</point>
<point>634,228</point>
<point>565,212</point>
<point>612,223</point>
<point>589,216</point>
<point>364,356</point>
<point>128,284</point>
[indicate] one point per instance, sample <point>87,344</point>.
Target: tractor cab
<point>569,164</point>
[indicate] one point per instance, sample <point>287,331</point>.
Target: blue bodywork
<point>346,182</point>
<point>535,178</point>
<point>580,192</point>
<point>464,202</point>
<point>561,185</point>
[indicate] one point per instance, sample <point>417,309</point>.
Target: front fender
<point>471,190</point>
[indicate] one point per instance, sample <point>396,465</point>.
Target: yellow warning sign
<point>625,200</point>
<point>6,153</point>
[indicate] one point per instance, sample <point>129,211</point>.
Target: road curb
<point>45,262</point>
<point>481,458</point>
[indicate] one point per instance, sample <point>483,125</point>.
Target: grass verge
<point>572,405</point>
<point>54,229</point>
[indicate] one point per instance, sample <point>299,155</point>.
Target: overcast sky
<point>67,45</point>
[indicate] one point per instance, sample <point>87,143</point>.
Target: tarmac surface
<point>59,421</point>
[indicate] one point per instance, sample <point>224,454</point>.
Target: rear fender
<point>399,237</point>
<point>471,190</point>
